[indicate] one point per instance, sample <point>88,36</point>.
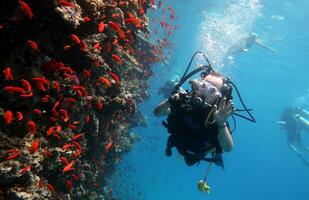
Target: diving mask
<point>205,91</point>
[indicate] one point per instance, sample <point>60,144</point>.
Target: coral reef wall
<point>72,73</point>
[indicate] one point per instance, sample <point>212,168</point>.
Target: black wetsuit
<point>189,134</point>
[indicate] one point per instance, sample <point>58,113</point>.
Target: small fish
<point>66,69</point>
<point>14,155</point>
<point>69,184</point>
<point>104,81</point>
<point>87,19</point>
<point>116,58</point>
<point>55,112</point>
<point>76,137</point>
<point>50,131</point>
<point>31,127</point>
<point>77,145</point>
<point>76,154</point>
<point>58,129</point>
<point>68,167</point>
<point>70,100</point>
<point>57,136</point>
<point>26,9</point>
<point>14,89</point>
<point>8,117</point>
<point>34,146</point>
<point>115,77</point>
<point>66,147</point>
<point>72,127</point>
<point>75,38</point>
<point>27,168</point>
<point>66,47</point>
<point>33,45</point>
<point>97,46</point>
<point>108,146</point>
<point>8,73</point>
<point>64,160</point>
<point>37,111</point>
<point>86,73</point>
<point>56,86</point>
<point>100,105</point>
<point>64,114</point>
<point>45,99</point>
<point>51,188</point>
<point>116,27</point>
<point>66,3</point>
<point>19,116</point>
<point>101,27</point>
<point>87,120</point>
<point>83,46</point>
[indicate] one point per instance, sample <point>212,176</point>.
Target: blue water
<point>261,166</point>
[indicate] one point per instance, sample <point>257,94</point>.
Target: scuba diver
<point>294,120</point>
<point>168,87</point>
<point>197,119</point>
<point>250,41</point>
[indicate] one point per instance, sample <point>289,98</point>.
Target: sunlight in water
<point>222,34</point>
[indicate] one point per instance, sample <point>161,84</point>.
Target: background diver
<point>197,120</point>
<point>295,120</point>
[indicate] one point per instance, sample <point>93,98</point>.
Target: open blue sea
<point>261,165</point>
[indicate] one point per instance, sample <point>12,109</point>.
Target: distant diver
<point>249,42</point>
<point>294,120</point>
<point>168,87</point>
<point>197,119</point>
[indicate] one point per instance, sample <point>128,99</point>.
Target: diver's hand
<point>223,110</point>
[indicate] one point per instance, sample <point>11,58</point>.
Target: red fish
<point>116,58</point>
<point>26,85</point>
<point>7,73</point>
<point>8,117</point>
<point>45,99</point>
<point>87,120</point>
<point>108,146</point>
<point>26,9</point>
<point>33,45</point>
<point>69,184</point>
<point>14,89</point>
<point>64,160</point>
<point>65,115</point>
<point>97,46</point>
<point>55,112</point>
<point>75,38</point>
<point>87,19</point>
<point>50,131</point>
<point>66,3</point>
<point>67,147</point>
<point>101,27</point>
<point>86,73</point>
<point>51,188</point>
<point>34,146</point>
<point>116,27</point>
<point>27,168</point>
<point>76,137</point>
<point>104,81</point>
<point>115,77</point>
<point>70,100</point>
<point>77,145</point>
<point>68,167</point>
<point>56,86</point>
<point>14,155</point>
<point>100,105</point>
<point>19,116</point>
<point>66,69</point>
<point>31,126</point>
<point>83,46</point>
<point>66,47</point>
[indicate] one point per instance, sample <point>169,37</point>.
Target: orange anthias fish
<point>14,89</point>
<point>7,73</point>
<point>75,38</point>
<point>64,114</point>
<point>31,127</point>
<point>26,85</point>
<point>108,146</point>
<point>68,167</point>
<point>51,188</point>
<point>33,45</point>
<point>116,58</point>
<point>104,81</point>
<point>64,160</point>
<point>27,168</point>
<point>8,117</point>
<point>34,146</point>
<point>76,137</point>
<point>100,105</point>
<point>26,9</point>
<point>101,27</point>
<point>19,116</point>
<point>66,3</point>
<point>115,77</point>
<point>86,73</point>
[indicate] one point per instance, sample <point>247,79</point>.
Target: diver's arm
<point>162,109</point>
<point>225,138</point>
<point>222,111</point>
<point>304,121</point>
<point>305,112</point>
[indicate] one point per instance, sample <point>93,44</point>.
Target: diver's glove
<point>223,110</point>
